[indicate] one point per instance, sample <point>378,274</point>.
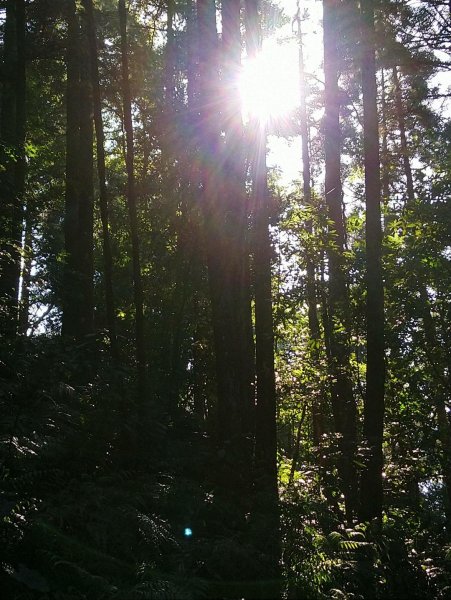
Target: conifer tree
<point>12,160</point>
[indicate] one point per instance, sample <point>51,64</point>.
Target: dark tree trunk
<point>192,52</point>
<point>101,169</point>
<point>208,136</point>
<point>86,191</point>
<point>441,392</point>
<point>223,200</point>
<point>371,479</point>
<point>236,217</point>
<point>12,159</point>
<point>78,293</point>
<point>222,181</point>
<point>385,159</point>
<point>434,350</point>
<point>132,203</point>
<point>266,482</point>
<point>343,403</point>
<point>170,56</point>
<point>70,301</point>
<point>403,137</point>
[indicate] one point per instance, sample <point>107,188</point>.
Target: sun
<point>269,84</point>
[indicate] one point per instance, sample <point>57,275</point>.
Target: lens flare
<point>269,84</point>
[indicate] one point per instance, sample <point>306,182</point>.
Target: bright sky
<point>271,86</point>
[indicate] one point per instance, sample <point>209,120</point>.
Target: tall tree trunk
<point>313,320</point>
<point>222,200</point>
<point>70,305</point>
<point>78,295</point>
<point>266,482</point>
<point>12,155</point>
<point>403,137</point>
<point>343,403</point>
<point>101,169</point>
<point>131,200</point>
<point>27,258</point>
<point>385,177</point>
<point>371,493</point>
<point>236,217</point>
<point>170,56</point>
<point>192,58</point>
<point>434,351</point>
<point>443,424</point>
<point>86,191</point>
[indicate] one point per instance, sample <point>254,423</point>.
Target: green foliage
<point>99,480</point>
<point>82,503</point>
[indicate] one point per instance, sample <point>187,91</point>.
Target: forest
<point>225,297</point>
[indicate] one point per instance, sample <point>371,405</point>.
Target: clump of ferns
<point>331,565</point>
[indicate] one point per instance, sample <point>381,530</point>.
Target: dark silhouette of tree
<point>78,299</point>
<point>266,487</point>
<point>132,201</point>
<point>101,169</point>
<point>343,403</point>
<point>371,477</point>
<point>12,159</point>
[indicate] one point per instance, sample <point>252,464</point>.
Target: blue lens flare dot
<point>187,532</point>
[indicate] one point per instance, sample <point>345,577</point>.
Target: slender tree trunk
<point>307,191</point>
<point>385,178</point>
<point>70,306</point>
<point>86,191</point>
<point>403,137</point>
<point>266,481</point>
<point>132,203</point>
<point>443,424</point>
<point>313,321</point>
<point>12,159</point>
<point>170,56</point>
<point>78,295</point>
<point>343,403</point>
<point>371,479</point>
<point>171,149</point>
<point>101,169</point>
<point>192,53</point>
<point>297,446</point>
<point>27,258</point>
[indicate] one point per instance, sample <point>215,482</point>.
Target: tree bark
<point>12,158</point>
<point>443,424</point>
<point>101,169</point>
<point>236,218</point>
<point>434,354</point>
<point>78,293</point>
<point>27,253</point>
<point>385,178</point>
<point>403,137</point>
<point>266,480</point>
<point>371,493</point>
<point>223,201</point>
<point>132,203</point>
<point>343,403</point>
<point>169,57</point>
<point>313,320</point>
